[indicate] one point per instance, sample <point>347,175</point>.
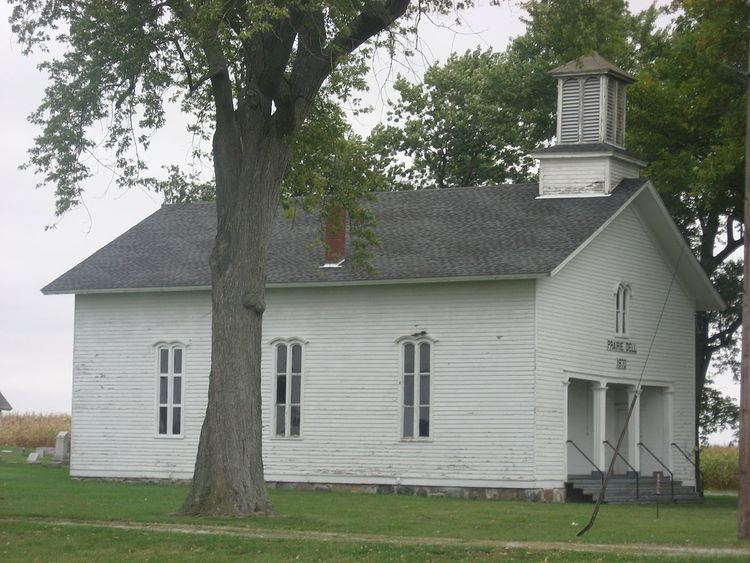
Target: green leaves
<point>334,169</point>
<point>473,120</point>
<point>454,129</point>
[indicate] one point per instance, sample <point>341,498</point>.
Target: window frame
<point>623,301</point>
<point>289,374</point>
<point>169,404</point>
<point>417,342</point>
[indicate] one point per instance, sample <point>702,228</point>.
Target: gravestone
<point>34,458</point>
<point>62,447</point>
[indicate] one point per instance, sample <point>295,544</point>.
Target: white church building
<point>493,352</point>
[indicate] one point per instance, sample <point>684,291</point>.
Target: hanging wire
<point>611,467</point>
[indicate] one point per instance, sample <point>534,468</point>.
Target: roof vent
<point>589,158</point>
<point>591,101</point>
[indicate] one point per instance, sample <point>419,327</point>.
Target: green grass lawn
<point>33,497</point>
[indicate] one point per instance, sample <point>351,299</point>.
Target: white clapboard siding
<point>560,176</point>
<point>575,318</point>
<point>591,113</point>
<point>570,121</point>
<point>621,169</point>
<point>482,383</point>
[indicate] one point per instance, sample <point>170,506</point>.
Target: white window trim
<point>171,346</point>
<point>624,309</point>
<point>288,342</point>
<point>416,340</point>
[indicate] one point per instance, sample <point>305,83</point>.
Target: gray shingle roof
<point>4,404</point>
<point>424,234</point>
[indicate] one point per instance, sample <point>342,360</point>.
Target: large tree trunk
<point>228,478</point>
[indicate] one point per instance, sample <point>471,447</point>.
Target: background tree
<point>250,73</point>
<point>690,130</point>
<point>473,120</point>
<point>687,118</point>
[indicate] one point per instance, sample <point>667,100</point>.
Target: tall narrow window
<point>288,375</point>
<point>416,390</point>
<point>170,370</point>
<point>622,304</point>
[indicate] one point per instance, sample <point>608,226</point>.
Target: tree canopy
<point>474,119</point>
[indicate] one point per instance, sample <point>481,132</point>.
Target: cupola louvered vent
<point>590,111</point>
<point>589,159</point>
<point>611,105</point>
<point>591,101</point>
<point>570,106</point>
<point>620,112</point>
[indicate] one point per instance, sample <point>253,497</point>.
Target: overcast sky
<point>36,332</point>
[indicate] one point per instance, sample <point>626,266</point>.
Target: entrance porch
<point>596,414</point>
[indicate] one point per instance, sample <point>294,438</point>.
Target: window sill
<point>416,440</point>
<point>287,438</point>
<point>170,436</point>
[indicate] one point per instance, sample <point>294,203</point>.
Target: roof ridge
<point>389,192</point>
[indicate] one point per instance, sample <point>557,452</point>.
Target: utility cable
<point>611,468</point>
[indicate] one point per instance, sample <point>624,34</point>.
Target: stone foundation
<point>474,493</point>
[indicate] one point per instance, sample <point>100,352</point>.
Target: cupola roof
<point>591,64</point>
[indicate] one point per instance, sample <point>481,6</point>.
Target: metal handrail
<point>699,485</point>
<point>671,482</point>
<point>637,477</point>
<point>599,471</point>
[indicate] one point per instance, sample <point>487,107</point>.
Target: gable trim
<point>711,299</point>
<point>595,234</point>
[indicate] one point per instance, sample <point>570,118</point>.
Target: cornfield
<point>720,465</point>
<point>30,430</point>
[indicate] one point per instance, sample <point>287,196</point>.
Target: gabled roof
<point>4,404</point>
<point>462,233</point>
<point>591,64</point>
<point>499,232</point>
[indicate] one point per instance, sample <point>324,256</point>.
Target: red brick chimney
<point>334,237</point>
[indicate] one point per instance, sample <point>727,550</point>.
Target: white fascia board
<point>590,154</point>
<point>714,302</point>
<point>127,290</point>
<point>452,279</point>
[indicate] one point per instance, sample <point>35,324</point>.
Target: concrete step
<point>623,489</point>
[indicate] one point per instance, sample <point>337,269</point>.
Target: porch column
<point>634,428</point>
<point>668,426</point>
<point>566,385</point>
<point>600,424</point>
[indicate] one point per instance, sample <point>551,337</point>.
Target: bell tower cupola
<point>589,158</point>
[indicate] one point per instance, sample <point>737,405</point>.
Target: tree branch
<point>723,336</point>
<point>311,70</point>
<point>731,245</point>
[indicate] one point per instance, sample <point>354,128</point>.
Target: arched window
<point>622,306</point>
<point>288,369</point>
<point>170,360</point>
<point>415,378</point>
